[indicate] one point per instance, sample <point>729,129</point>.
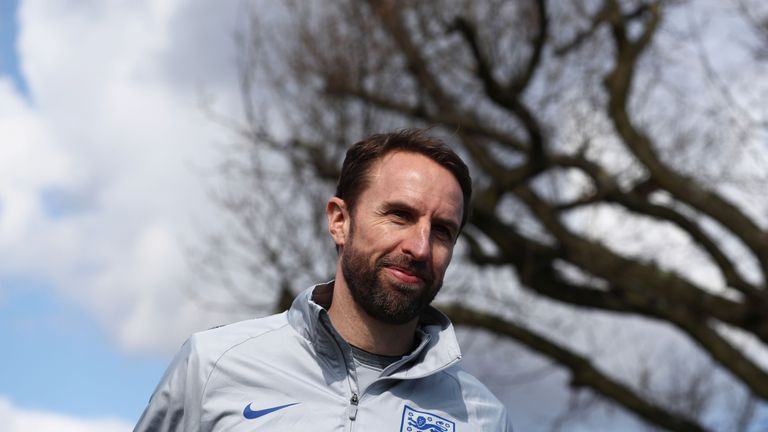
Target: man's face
<point>401,236</point>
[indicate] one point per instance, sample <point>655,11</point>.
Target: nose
<point>417,244</point>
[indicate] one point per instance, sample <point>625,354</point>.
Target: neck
<point>363,331</point>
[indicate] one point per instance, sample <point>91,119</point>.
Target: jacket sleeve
<point>506,422</point>
<point>175,403</point>
<point>494,417</point>
<point>488,412</point>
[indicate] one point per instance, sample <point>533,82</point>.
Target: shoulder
<point>177,401</point>
<point>471,388</point>
<point>481,403</point>
<point>210,345</point>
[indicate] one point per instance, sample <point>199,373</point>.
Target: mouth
<point>404,276</point>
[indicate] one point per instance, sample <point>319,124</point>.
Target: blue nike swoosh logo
<point>251,414</point>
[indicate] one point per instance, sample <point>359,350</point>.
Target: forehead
<point>416,180</point>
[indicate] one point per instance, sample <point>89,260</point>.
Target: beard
<point>385,300</point>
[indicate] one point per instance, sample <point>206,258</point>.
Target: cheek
<point>375,246</point>
<point>442,258</point>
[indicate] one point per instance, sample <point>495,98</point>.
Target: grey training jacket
<point>288,372</point>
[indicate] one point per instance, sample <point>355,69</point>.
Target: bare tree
<point>618,150</point>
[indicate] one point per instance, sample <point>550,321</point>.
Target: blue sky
<point>58,357</point>
<point>61,359</point>
<point>100,193</point>
<point>9,64</point>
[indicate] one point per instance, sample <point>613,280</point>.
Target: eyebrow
<point>400,205</point>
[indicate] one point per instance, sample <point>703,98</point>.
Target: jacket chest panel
<point>382,413</point>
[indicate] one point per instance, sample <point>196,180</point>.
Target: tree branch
<point>510,98</point>
<point>583,373</point>
<point>618,83</point>
<point>608,190</point>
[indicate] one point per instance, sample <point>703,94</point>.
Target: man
<point>365,351</point>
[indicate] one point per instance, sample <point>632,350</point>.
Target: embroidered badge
<point>415,421</point>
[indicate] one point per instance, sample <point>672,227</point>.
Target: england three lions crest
<point>415,421</point>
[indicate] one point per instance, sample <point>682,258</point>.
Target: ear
<point>338,220</point>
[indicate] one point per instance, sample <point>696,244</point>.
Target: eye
<point>443,232</point>
<point>399,214</point>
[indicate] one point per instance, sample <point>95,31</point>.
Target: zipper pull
<point>352,410</point>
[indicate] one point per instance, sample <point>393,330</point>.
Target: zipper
<point>351,373</point>
<point>352,408</point>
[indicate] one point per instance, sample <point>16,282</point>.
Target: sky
<point>104,156</point>
<point>106,162</point>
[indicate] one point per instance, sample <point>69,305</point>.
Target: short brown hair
<point>361,156</point>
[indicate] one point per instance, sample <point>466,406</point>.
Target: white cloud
<point>16,419</point>
<point>22,169</point>
<point>99,191</point>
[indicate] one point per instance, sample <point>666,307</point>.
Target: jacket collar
<point>438,348</point>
